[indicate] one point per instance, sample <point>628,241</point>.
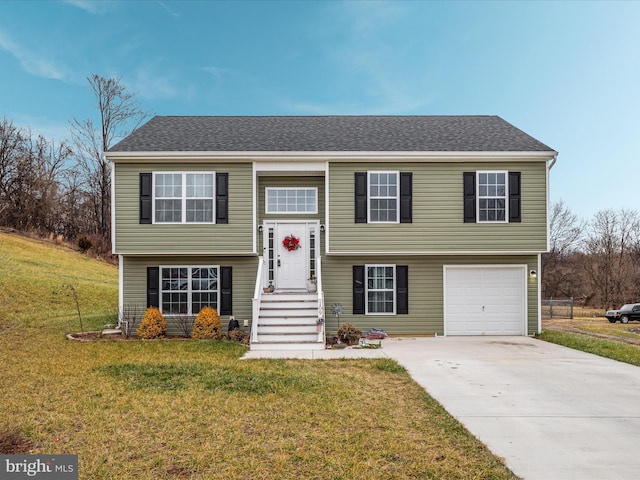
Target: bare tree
<point>119,114</point>
<point>30,172</point>
<point>611,245</point>
<point>560,272</point>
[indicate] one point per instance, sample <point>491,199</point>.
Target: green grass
<point>620,351</point>
<point>173,409</point>
<point>604,327</point>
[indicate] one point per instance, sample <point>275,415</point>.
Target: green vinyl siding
<point>244,278</point>
<point>131,237</point>
<point>437,224</point>
<point>426,291</point>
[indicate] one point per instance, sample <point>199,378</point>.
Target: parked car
<point>630,311</point>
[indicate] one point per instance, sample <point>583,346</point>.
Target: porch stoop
<point>288,321</point>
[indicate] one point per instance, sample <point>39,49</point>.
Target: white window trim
<point>397,197</point>
<point>184,198</point>
<point>266,200</point>
<point>189,290</point>
<point>366,289</point>
<point>506,196</point>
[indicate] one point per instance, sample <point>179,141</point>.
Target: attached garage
<point>485,299</point>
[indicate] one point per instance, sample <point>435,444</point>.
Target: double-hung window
<point>184,197</point>
<point>186,290</point>
<point>381,289</point>
<point>492,197</point>
<point>384,197</point>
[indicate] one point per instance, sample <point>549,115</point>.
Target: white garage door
<point>484,300</point>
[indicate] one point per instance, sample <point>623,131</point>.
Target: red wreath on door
<point>291,243</point>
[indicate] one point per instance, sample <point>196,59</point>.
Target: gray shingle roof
<point>330,134</point>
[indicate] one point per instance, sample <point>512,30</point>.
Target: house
<point>416,225</point>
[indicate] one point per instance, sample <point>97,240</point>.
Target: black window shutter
<point>406,197</point>
<point>358,289</point>
<point>153,287</point>
<point>469,196</point>
<point>146,198</point>
<point>222,198</point>
<point>514,197</point>
<point>402,289</point>
<point>226,281</point>
<point>361,197</point>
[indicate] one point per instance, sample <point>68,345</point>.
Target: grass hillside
<point>35,281</point>
<point>178,409</point>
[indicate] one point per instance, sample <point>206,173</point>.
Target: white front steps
<point>288,321</point>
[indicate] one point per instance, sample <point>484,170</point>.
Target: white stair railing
<point>257,296</point>
<point>321,319</point>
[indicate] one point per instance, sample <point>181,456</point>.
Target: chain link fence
<point>557,308</point>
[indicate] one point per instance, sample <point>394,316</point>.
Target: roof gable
<point>329,134</point>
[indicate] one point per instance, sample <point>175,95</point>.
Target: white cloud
<point>370,75</point>
<point>219,73</point>
<point>41,126</point>
<point>173,13</point>
<point>149,85</point>
<point>34,63</point>
<point>91,6</point>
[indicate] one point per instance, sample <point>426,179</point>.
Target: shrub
<point>207,324</point>
<point>349,333</point>
<point>129,319</point>
<point>153,324</point>
<point>185,324</point>
<point>84,244</point>
<point>238,336</point>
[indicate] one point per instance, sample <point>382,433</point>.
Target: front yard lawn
<point>193,409</point>
<point>176,409</point>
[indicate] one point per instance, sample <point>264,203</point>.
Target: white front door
<point>292,265</point>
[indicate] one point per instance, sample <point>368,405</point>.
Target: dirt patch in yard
<point>598,327</point>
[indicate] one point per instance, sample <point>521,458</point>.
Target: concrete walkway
<point>350,352</point>
<point>551,412</point>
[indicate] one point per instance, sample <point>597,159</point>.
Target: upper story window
<point>384,197</point>
<point>291,200</point>
<point>183,197</point>
<point>492,196</point>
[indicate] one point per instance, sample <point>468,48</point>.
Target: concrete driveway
<point>549,411</point>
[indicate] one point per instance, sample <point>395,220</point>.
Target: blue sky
<point>567,73</point>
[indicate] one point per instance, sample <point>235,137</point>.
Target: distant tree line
<point>64,188</point>
<point>596,261</point>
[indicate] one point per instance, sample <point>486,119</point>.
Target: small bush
<point>153,324</point>
<point>349,333</point>
<point>207,324</point>
<point>238,336</point>
<point>130,316</point>
<point>84,244</point>
<point>185,324</point>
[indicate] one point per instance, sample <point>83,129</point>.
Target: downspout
<point>550,165</point>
